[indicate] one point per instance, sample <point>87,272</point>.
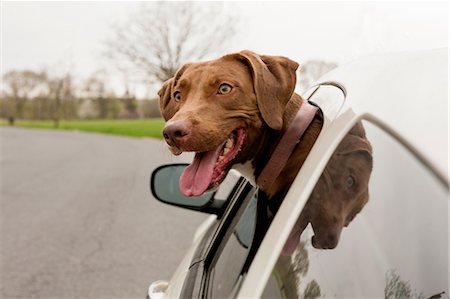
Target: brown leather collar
<point>284,148</point>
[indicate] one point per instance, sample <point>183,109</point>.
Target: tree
<point>312,290</point>
<point>312,70</point>
<point>60,90</point>
<point>291,272</point>
<point>94,87</point>
<point>150,108</point>
<point>94,92</point>
<point>20,87</point>
<point>160,36</point>
<point>130,106</point>
<point>398,288</point>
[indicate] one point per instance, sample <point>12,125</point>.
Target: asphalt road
<point>78,219</point>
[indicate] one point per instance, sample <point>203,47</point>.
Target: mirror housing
<point>164,185</point>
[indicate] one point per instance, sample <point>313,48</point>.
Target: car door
<point>393,243</point>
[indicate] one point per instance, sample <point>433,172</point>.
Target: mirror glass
<point>165,187</point>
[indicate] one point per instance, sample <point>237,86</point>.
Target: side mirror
<point>164,185</point>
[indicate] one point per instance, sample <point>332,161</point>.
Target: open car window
<point>375,225</point>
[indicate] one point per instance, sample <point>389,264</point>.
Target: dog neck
<point>263,146</point>
<point>286,145</point>
<point>263,142</point>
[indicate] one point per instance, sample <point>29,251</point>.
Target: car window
<point>225,272</point>
<point>375,225</point>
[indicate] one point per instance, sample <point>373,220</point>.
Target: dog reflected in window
<point>339,195</point>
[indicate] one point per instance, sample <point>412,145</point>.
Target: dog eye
<point>224,88</point>
<point>177,96</point>
<point>350,182</point>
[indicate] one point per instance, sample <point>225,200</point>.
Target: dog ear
<point>358,130</point>
<point>165,95</point>
<point>168,107</point>
<point>274,81</point>
<point>355,144</point>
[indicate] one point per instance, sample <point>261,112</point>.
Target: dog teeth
<point>229,143</point>
<point>228,146</point>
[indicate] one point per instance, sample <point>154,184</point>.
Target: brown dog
<point>231,111</point>
<point>339,195</point>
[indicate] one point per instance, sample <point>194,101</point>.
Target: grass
<point>131,128</point>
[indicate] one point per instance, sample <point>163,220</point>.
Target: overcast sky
<point>69,35</point>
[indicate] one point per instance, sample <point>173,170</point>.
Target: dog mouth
<point>209,169</point>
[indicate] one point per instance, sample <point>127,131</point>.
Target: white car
<point>398,244</point>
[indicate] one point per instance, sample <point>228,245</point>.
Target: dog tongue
<point>196,178</point>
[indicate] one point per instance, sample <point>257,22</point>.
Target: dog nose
<point>175,131</point>
<point>331,241</point>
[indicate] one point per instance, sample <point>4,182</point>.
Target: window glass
<point>375,225</point>
<point>227,270</point>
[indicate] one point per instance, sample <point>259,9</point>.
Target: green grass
<point>132,128</point>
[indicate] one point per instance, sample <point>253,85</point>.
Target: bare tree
<point>312,70</point>
<point>291,274</point>
<point>160,36</point>
<point>60,89</point>
<point>95,96</point>
<point>150,108</point>
<point>20,87</point>
<point>94,87</point>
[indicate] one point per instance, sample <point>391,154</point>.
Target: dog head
<point>339,195</point>
<point>217,108</point>
<point>342,191</point>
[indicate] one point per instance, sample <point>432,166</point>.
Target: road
<point>78,219</point>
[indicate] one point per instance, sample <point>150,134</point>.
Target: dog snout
<point>175,132</point>
<point>327,238</point>
<point>331,240</point>
<point>327,242</point>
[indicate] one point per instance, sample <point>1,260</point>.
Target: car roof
<point>408,92</point>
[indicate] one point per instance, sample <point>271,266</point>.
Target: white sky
<point>68,35</point>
